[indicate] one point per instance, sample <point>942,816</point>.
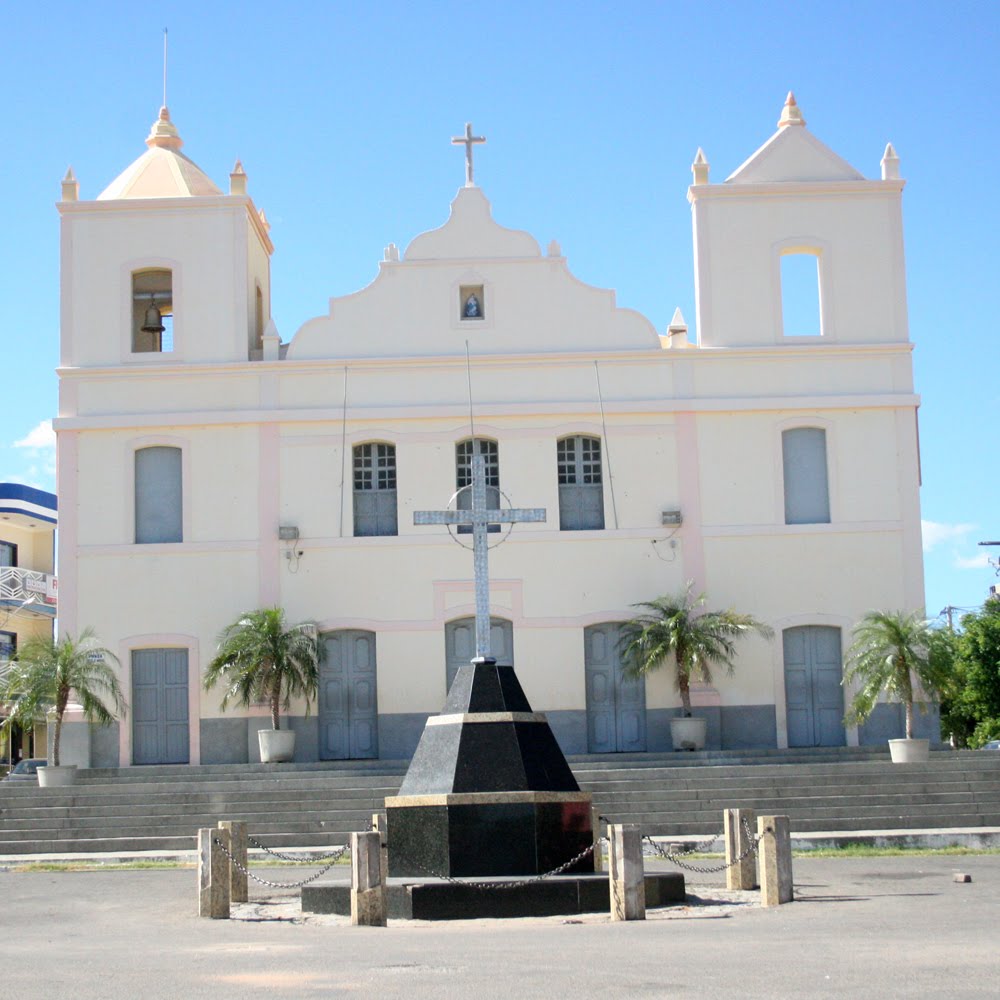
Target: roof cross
<point>480,517</point>
<point>468,140</point>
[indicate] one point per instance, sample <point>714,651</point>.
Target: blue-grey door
<point>460,644</point>
<point>814,698</point>
<point>160,706</point>
<point>616,703</point>
<point>348,706</point>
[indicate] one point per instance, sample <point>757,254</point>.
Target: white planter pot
<point>909,751</point>
<point>276,745</point>
<point>688,733</point>
<point>57,777</point>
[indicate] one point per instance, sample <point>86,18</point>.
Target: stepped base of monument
<point>438,899</point>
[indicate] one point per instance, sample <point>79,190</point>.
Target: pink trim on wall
<point>689,479</point>
<point>268,559</point>
<point>67,457</point>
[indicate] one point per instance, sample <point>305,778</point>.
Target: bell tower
<point>162,267</point>
<point>794,222</point>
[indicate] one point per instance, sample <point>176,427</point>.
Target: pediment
<point>793,154</point>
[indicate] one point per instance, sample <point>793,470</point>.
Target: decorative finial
<point>554,249</point>
<point>238,180</point>
<point>678,329</point>
<point>163,133</point>
<point>70,187</point>
<point>700,168</point>
<point>264,222</point>
<point>790,113</point>
<point>468,140</point>
<point>890,164</point>
<point>391,253</point>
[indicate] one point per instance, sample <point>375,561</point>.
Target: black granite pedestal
<point>435,899</point>
<point>488,792</point>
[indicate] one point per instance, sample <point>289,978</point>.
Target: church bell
<point>153,323</point>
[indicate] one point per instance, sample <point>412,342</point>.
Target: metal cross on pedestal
<point>480,518</point>
<point>468,140</point>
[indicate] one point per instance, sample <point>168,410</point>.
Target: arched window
<point>152,311</point>
<point>581,493</point>
<point>375,489</point>
<point>800,295</point>
<point>158,495</point>
<point>807,491</point>
<point>464,451</point>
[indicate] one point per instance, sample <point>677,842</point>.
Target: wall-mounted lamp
<point>288,533</point>
<point>671,517</point>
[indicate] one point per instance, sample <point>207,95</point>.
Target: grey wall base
<point>888,722</point>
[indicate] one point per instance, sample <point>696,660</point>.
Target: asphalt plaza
<point>859,927</point>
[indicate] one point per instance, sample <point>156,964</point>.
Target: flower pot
<point>276,745</point>
<point>57,777</point>
<point>909,751</point>
<point>688,732</point>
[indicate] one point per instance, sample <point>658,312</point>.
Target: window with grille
<point>8,554</point>
<point>463,476</point>
<point>375,489</point>
<point>581,493</point>
<point>8,646</point>
<point>807,491</point>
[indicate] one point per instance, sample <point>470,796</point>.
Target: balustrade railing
<point>27,587</point>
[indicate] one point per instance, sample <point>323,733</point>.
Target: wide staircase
<point>674,794</point>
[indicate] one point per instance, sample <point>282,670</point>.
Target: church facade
<point>205,468</point>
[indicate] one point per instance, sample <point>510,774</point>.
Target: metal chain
<point>754,841</point>
<point>278,885</point>
<point>520,883</point>
<point>701,848</point>
<point>288,857</point>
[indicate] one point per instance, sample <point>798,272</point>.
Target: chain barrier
<point>700,848</point>
<point>279,885</point>
<point>674,857</point>
<point>288,857</point>
<point>514,884</point>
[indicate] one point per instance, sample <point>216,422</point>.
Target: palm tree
<point>672,627</point>
<point>890,650</point>
<point>261,658</point>
<point>43,673</point>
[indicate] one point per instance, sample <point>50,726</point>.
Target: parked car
<point>26,770</point>
<point>992,745</point>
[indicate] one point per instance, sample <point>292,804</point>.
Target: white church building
<point>206,468</point>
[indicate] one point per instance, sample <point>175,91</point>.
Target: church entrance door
<point>616,703</point>
<point>814,698</point>
<point>160,706</point>
<point>348,705</point>
<point>460,644</point>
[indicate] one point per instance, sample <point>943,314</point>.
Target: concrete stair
<point>673,794</point>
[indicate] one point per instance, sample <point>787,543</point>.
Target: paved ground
<point>873,927</point>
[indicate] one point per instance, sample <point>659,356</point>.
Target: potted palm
<point>263,659</point>
<point>893,653</point>
<point>39,681</point>
<point>672,629</point>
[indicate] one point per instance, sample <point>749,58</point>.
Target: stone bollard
<point>595,820</point>
<point>379,827</point>
<point>625,872</point>
<point>775,858</point>
<point>367,887</point>
<point>739,826</point>
<point>238,888</point>
<point>213,874</point>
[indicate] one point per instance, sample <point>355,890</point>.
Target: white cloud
<point>934,533</point>
<point>40,438</point>
<point>978,561</point>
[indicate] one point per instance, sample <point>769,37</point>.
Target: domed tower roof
<point>162,171</point>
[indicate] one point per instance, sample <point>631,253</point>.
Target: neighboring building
<point>205,468</point>
<point>27,584</point>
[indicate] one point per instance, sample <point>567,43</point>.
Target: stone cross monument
<point>480,517</point>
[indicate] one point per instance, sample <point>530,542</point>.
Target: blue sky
<point>342,115</point>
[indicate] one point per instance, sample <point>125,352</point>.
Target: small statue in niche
<point>471,310</point>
